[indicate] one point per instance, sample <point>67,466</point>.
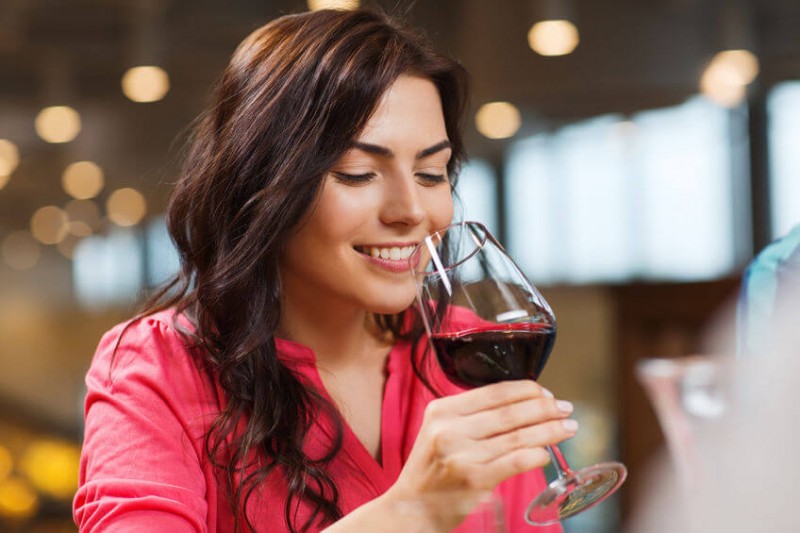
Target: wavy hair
<point>295,94</point>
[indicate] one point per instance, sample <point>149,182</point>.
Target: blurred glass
<point>689,395</point>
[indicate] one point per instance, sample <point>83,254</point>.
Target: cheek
<point>338,213</point>
<point>440,208</point>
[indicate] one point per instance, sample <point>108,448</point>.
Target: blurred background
<point>632,155</point>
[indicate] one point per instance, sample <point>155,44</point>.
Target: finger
<point>494,395</point>
<point>530,437</point>
<point>547,434</point>
<point>509,465</point>
<point>517,415</point>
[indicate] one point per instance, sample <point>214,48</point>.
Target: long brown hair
<point>296,93</point>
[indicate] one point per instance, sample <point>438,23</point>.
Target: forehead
<point>410,105</point>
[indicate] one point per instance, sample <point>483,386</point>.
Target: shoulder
<point>147,374</point>
<point>164,325</point>
<point>157,346</point>
<point>148,408</point>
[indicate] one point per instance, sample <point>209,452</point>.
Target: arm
<point>140,465</point>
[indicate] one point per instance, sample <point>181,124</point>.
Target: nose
<point>402,202</point>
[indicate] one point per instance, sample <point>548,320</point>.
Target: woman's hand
<point>467,445</point>
<point>474,440</point>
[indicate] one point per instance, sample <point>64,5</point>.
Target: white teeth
<point>394,253</point>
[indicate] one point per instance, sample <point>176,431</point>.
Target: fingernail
<point>570,425</point>
<point>547,393</point>
<point>564,406</point>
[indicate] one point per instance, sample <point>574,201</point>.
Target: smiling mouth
<point>392,253</point>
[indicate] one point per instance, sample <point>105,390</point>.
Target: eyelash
<point>354,178</point>
<point>430,179</point>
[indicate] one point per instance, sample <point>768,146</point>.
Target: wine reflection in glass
<point>488,323</point>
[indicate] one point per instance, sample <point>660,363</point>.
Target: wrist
<point>428,512</point>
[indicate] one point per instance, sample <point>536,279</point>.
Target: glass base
<point>575,492</point>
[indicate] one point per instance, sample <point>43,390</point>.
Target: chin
<point>389,299</point>
<point>385,308</point>
<point>390,304</point>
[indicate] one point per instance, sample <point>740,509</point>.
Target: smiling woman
<point>279,382</point>
<point>380,198</point>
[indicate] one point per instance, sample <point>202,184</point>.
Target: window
<point>107,269</point>
<point>112,269</point>
<point>685,211</point>
<point>162,257</point>
<point>476,195</point>
<point>783,109</point>
<point>608,199</point>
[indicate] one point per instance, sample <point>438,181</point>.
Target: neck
<point>339,334</point>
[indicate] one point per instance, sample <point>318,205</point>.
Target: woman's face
<point>379,200</point>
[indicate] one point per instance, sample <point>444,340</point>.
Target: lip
<point>399,265</point>
<point>389,244</point>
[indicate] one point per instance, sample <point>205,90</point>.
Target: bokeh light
<point>58,124</point>
<point>85,211</point>
<point>6,463</point>
<point>78,228</point>
<point>21,251</point>
<point>17,498</point>
<point>68,245</point>
<point>9,160</point>
<point>737,67</point>
<point>315,5</point>
<point>49,224</point>
<point>126,207</point>
<point>553,37</point>
<point>83,180</point>
<point>145,83</point>
<point>727,76</point>
<point>498,120</point>
<point>52,467</point>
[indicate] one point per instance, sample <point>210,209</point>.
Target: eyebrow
<point>385,152</point>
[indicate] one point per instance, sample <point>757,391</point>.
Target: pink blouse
<point>144,468</point>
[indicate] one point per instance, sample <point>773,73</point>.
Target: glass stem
<point>560,464</point>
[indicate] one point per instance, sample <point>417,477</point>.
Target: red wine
<point>495,353</point>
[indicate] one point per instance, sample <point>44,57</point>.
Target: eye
<point>431,179</point>
<point>353,179</point>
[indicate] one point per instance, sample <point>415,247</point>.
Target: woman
<point>274,385</point>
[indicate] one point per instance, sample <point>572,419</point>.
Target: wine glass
<point>487,323</point>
